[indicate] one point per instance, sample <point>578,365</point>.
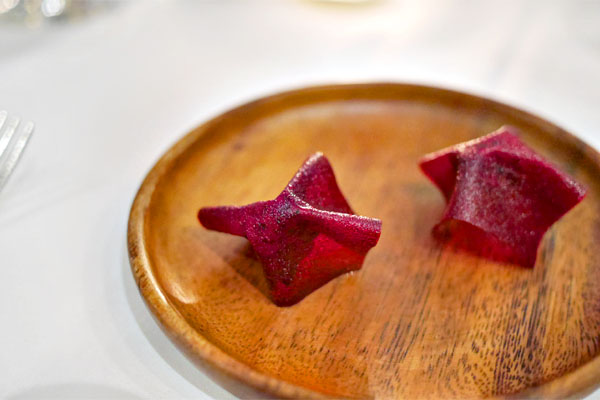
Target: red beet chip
<point>502,196</point>
<point>305,237</point>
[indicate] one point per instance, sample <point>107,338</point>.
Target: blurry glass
<point>36,12</point>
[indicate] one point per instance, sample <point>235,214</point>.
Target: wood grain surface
<point>419,320</point>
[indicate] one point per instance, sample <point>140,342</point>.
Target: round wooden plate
<point>419,320</point>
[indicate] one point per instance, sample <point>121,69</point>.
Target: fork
<point>12,143</point>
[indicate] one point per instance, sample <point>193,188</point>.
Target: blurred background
<point>111,84</point>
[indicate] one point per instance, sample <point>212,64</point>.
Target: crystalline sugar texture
<point>305,237</point>
<point>502,196</point>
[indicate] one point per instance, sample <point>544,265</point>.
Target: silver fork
<point>12,143</point>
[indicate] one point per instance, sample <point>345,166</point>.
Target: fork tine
<point>13,123</point>
<point>3,115</point>
<point>15,153</point>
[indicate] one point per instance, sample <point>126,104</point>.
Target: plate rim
<point>224,367</point>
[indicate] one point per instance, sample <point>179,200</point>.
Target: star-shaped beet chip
<point>502,196</point>
<point>305,237</point>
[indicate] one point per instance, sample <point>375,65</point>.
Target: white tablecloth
<point>110,93</point>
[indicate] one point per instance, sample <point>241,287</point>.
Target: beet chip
<point>502,196</point>
<point>305,237</point>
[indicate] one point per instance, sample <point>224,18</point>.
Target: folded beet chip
<point>305,237</point>
<point>502,196</point>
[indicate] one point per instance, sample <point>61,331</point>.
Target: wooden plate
<point>418,321</point>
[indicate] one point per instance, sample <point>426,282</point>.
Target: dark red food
<point>305,237</point>
<point>502,196</point>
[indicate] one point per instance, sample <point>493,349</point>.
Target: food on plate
<point>502,196</point>
<point>305,237</point>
